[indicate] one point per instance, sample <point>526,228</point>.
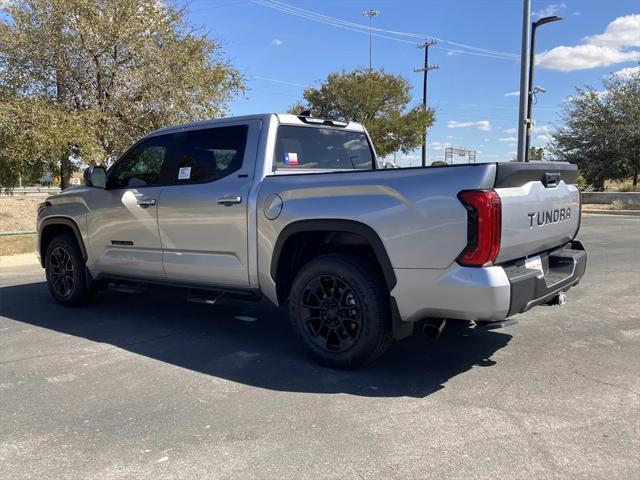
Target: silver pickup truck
<point>296,210</point>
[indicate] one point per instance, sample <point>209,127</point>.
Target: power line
<point>382,33</point>
<point>275,80</point>
<point>332,23</point>
<point>394,32</point>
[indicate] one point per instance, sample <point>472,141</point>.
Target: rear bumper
<point>488,294</point>
<point>563,268</point>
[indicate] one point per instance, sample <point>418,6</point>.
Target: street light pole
<point>530,90</point>
<point>370,14</point>
<point>524,79</point>
<point>426,70</point>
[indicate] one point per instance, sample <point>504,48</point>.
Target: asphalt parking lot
<point>151,386</point>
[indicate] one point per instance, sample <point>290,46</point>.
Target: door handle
<point>147,202</point>
<point>229,200</point>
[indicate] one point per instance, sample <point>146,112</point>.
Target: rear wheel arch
<point>54,226</point>
<point>301,241</point>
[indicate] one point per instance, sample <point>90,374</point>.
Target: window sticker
<point>290,158</point>
<point>184,173</point>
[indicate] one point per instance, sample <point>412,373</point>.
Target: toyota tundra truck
<point>298,211</point>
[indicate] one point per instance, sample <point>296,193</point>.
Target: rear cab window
<point>321,148</point>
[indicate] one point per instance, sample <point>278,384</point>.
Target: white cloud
<point>439,146</point>
<point>627,73</point>
<point>276,42</point>
<point>600,50</point>
<point>406,160</point>
<point>542,129</point>
<point>581,57</point>
<point>543,138</point>
<point>484,125</point>
<point>549,10</point>
<point>508,139</point>
<point>622,32</point>
<point>512,94</point>
<point>510,130</point>
<point>577,14</point>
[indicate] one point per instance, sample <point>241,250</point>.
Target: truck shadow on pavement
<point>160,324</point>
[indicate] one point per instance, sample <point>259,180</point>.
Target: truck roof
<point>283,118</point>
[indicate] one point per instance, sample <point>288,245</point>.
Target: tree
<point>600,132</point>
<point>536,154</point>
<point>92,76</point>
<point>376,99</point>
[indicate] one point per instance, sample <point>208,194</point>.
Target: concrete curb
<point>630,213</point>
<point>22,232</point>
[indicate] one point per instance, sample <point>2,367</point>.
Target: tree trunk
<point>61,95</point>
<point>635,179</point>
<point>65,173</point>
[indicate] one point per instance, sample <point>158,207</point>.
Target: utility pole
<point>524,81</point>
<point>370,14</point>
<point>425,70</point>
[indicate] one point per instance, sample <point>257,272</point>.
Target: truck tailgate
<point>540,207</point>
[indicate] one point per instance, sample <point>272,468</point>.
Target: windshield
<point>322,148</point>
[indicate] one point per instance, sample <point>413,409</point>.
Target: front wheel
<point>339,307</point>
<point>65,271</point>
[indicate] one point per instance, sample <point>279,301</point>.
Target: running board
<point>129,287</point>
<point>208,297</point>
<point>211,297</point>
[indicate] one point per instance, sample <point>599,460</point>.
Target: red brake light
<point>484,227</point>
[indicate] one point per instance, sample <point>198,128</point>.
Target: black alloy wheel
<point>62,272</point>
<point>332,313</point>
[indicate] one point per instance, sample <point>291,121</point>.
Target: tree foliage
<point>536,154</point>
<point>600,132</point>
<point>376,99</point>
<point>98,74</point>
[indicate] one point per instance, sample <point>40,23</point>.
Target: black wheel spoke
<point>314,325</point>
<point>61,271</point>
<point>350,326</point>
<point>331,313</point>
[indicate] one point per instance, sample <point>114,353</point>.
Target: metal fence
<point>32,191</point>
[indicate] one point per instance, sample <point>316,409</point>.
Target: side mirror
<point>95,177</point>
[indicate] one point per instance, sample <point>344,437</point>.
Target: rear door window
<point>321,148</point>
<point>206,155</point>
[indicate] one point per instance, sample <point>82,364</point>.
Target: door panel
<point>123,234</point>
<point>205,241</point>
<point>203,225</point>
<point>123,221</point>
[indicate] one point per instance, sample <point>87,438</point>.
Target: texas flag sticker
<point>290,158</point>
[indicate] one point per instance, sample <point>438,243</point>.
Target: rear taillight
<point>484,217</point>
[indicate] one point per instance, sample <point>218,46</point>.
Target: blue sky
<point>281,52</point>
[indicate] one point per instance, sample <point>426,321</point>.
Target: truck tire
<point>65,270</point>
<point>339,307</point>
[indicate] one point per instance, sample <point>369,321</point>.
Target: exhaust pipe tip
<point>433,327</point>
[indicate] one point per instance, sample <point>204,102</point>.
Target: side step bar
<point>211,297</point>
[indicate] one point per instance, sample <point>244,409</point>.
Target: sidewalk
<point>18,260</point>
